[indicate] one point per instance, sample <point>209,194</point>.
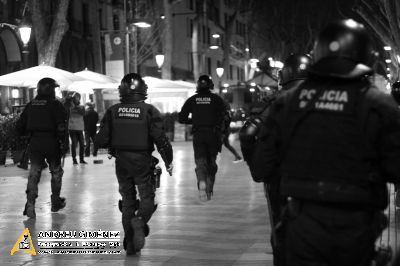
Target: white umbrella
<point>93,80</point>
<point>30,77</point>
<point>96,77</point>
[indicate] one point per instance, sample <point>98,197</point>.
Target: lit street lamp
<point>159,61</point>
<point>220,72</point>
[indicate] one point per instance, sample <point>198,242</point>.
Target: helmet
<point>343,50</point>
<point>204,83</point>
<point>46,86</point>
<point>295,67</point>
<point>396,91</point>
<point>132,83</point>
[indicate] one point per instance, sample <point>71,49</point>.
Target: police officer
<point>207,113</point>
<point>335,142</point>
<point>130,129</point>
<point>293,73</point>
<point>44,119</point>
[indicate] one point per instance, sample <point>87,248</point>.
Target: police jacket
<point>332,141</point>
<point>43,116</point>
<point>134,125</point>
<point>207,109</point>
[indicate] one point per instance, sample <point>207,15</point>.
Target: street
<point>231,229</point>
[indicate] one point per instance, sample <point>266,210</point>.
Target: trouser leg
<point>56,178</point>
<point>87,144</point>
<point>229,146</point>
<point>81,145</point>
<point>146,206</point>
<point>74,142</point>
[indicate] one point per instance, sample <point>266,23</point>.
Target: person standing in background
<point>90,119</point>
<point>76,126</point>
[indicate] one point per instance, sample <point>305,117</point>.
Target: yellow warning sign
<point>24,243</point>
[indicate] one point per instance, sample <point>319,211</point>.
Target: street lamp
<point>159,61</point>
<point>220,72</point>
<point>25,34</point>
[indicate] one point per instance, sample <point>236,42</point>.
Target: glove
<point>169,168</point>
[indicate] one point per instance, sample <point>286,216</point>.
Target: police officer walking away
<point>44,120</point>
<point>130,129</point>
<point>207,110</point>
<point>335,143</point>
<point>293,73</point>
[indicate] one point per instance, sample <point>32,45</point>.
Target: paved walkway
<point>231,229</point>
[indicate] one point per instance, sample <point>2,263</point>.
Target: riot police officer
<point>335,142</point>
<point>207,113</point>
<point>44,120</point>
<point>130,129</point>
<point>293,73</point>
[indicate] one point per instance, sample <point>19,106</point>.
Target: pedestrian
<point>90,119</point>
<point>335,143</point>
<point>293,73</point>
<point>130,129</point>
<point>76,126</point>
<point>207,112</point>
<point>44,120</point>
<point>227,132</point>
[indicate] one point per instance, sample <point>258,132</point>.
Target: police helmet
<point>46,86</point>
<point>204,83</point>
<point>343,49</point>
<point>294,68</point>
<point>132,83</point>
<point>396,91</point>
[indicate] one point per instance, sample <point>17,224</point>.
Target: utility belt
<point>367,196</point>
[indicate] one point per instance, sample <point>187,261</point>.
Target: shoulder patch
<point>135,113</point>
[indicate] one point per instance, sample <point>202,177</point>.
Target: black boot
<point>74,161</point>
<point>81,161</point>
<point>57,203</point>
<point>30,209</point>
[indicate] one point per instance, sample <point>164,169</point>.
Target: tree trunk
<point>48,37</point>
<point>94,12</point>
<point>166,71</point>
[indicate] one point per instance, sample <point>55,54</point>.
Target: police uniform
<point>293,73</point>
<point>207,111</point>
<point>44,120</point>
<point>335,142</point>
<point>130,129</point>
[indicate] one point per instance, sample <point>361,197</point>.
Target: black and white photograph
<point>200,132</point>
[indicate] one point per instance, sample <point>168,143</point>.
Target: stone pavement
<point>231,229</point>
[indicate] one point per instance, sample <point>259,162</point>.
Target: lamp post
<point>220,72</point>
<point>136,23</point>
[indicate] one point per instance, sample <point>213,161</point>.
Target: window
<point>209,66</point>
<point>101,24</point>
<point>208,36</point>
<point>190,61</point>
<point>238,74</point>
<point>85,20</point>
<point>204,34</point>
<point>230,72</point>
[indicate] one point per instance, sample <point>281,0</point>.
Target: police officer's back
<point>44,120</point>
<point>130,129</point>
<point>335,142</point>
<point>207,110</point>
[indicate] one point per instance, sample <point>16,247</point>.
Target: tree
<point>49,24</point>
<point>383,16</point>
